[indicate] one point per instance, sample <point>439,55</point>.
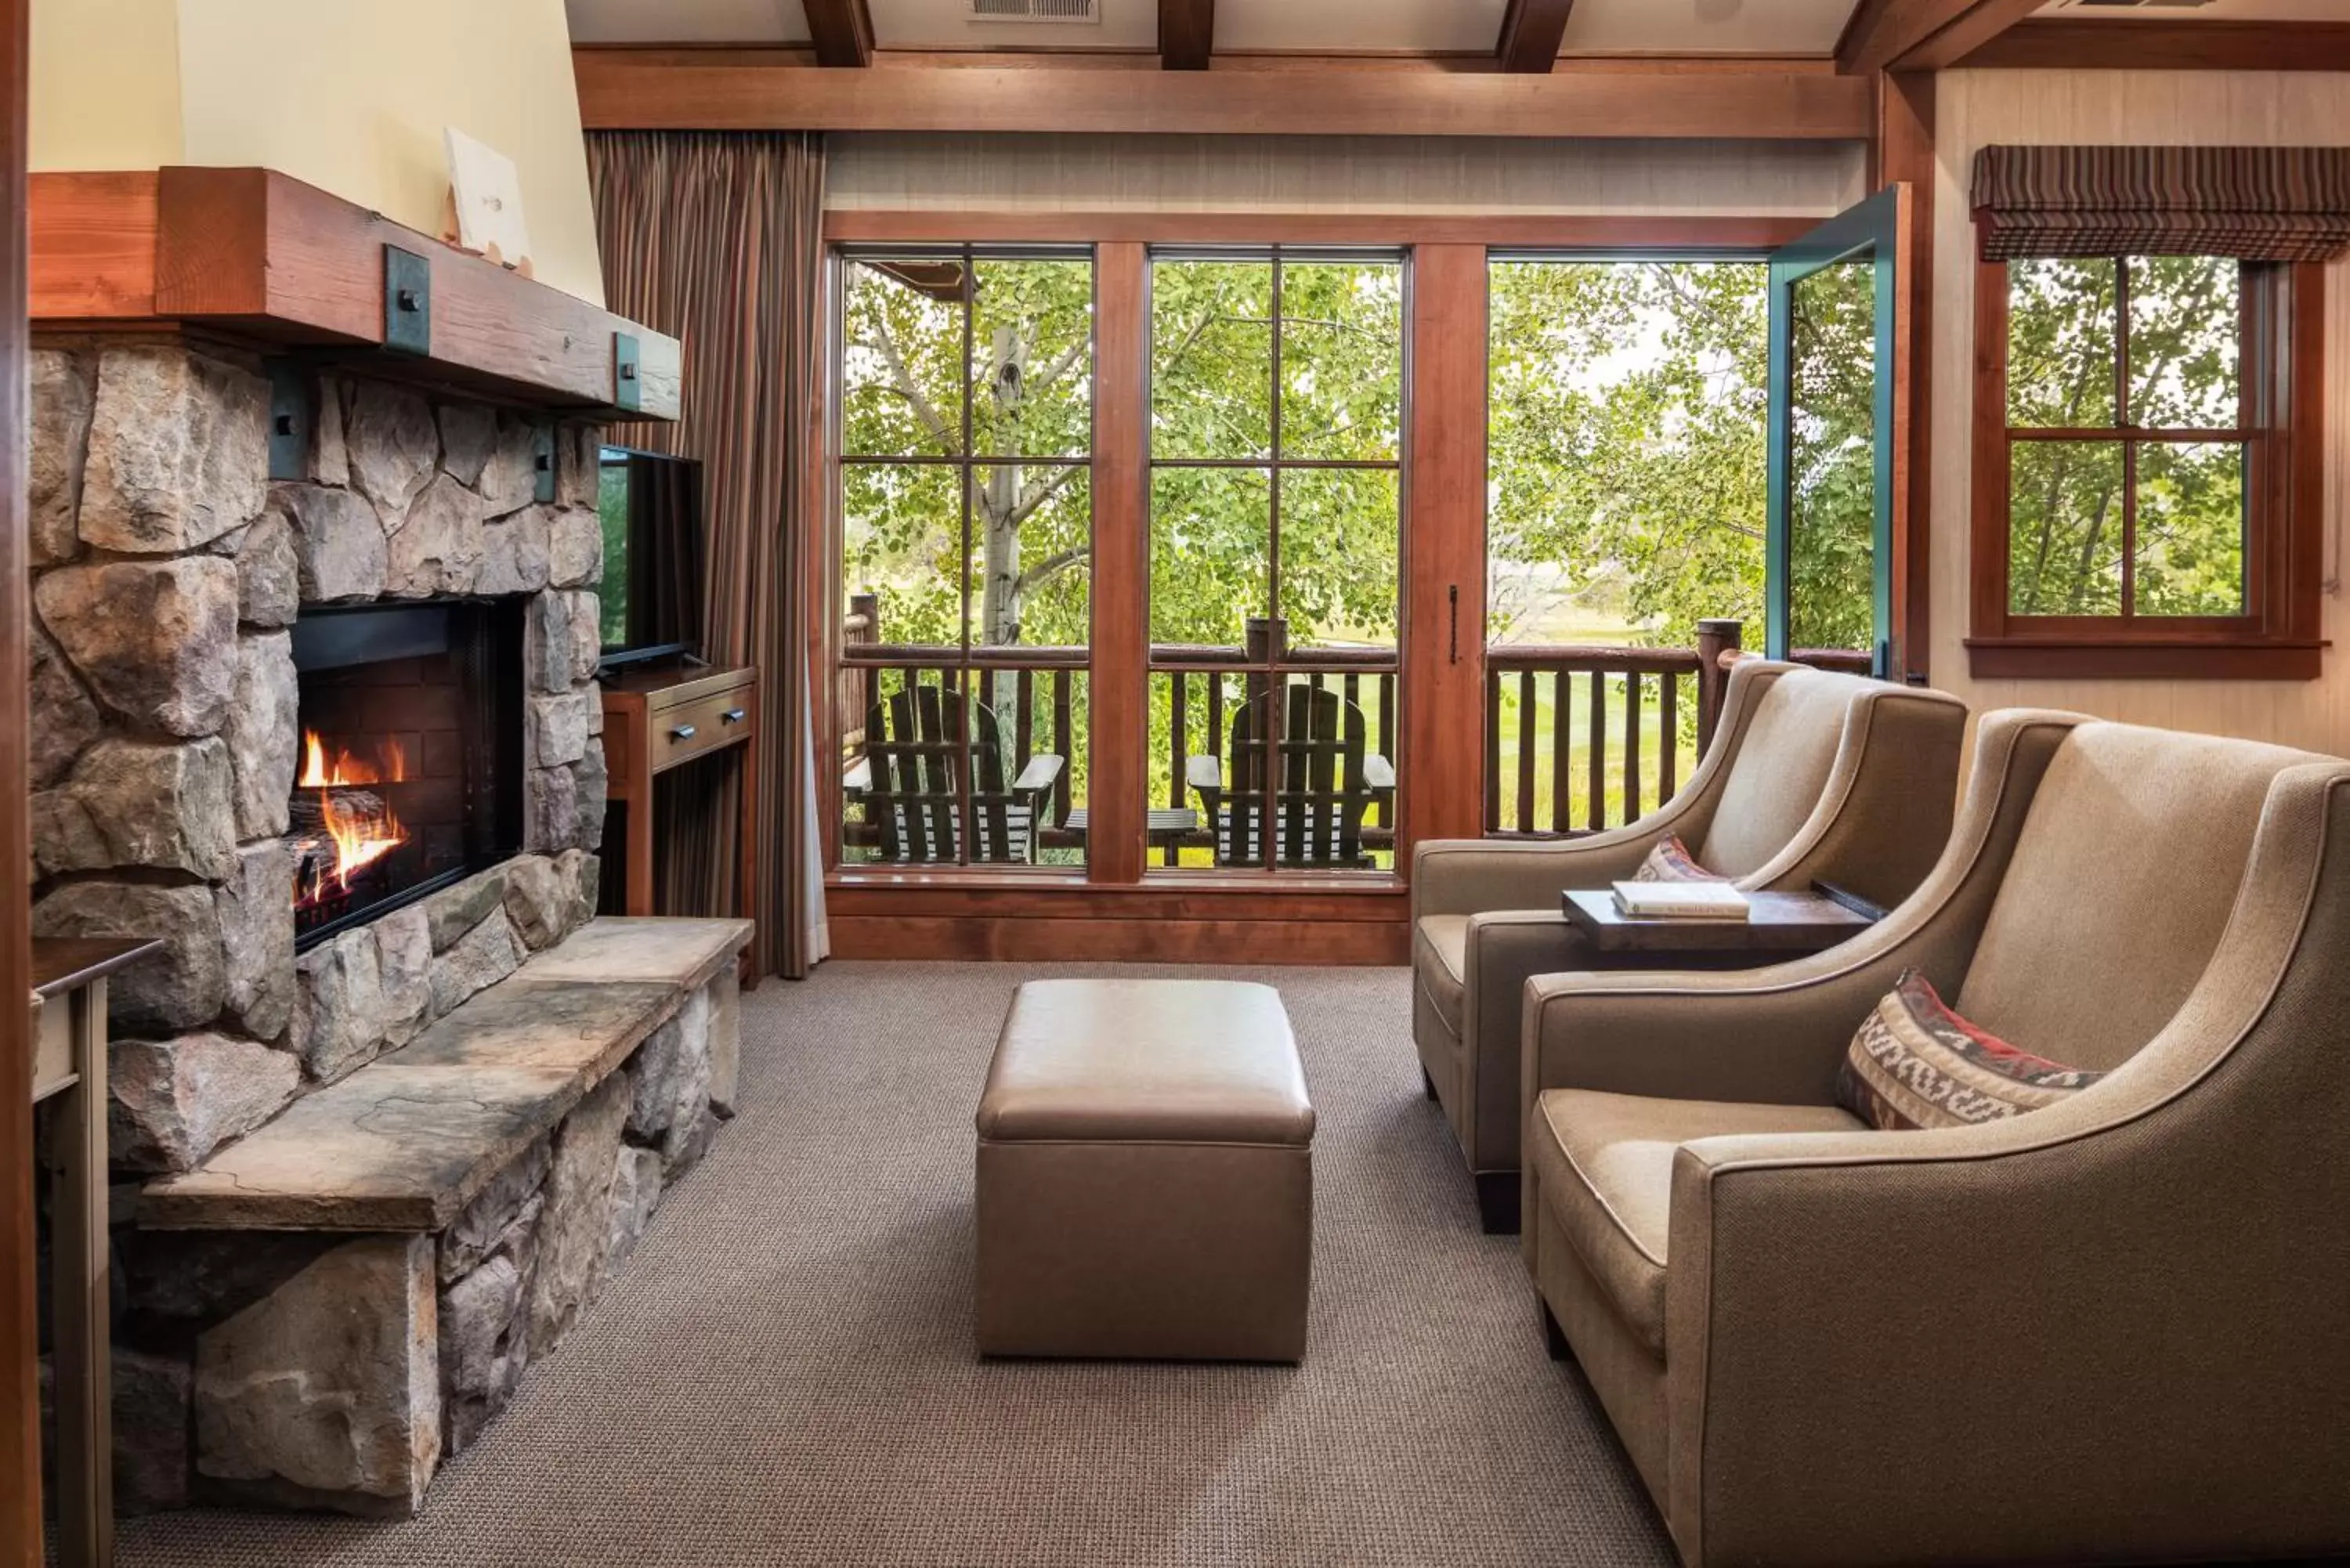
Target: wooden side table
<point>69,1068</point>
<point>1779,926</point>
<point>657,719</point>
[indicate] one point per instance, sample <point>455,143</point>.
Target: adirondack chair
<point>1327,784</point>
<point>916,744</point>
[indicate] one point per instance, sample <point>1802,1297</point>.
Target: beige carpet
<point>782,1373</point>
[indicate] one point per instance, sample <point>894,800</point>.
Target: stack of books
<point>1681,901</point>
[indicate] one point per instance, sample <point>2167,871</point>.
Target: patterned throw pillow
<point>1916,1064</point>
<point>1670,861</point>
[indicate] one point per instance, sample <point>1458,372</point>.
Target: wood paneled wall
<point>20,1431</point>
<point>1306,174</point>
<point>1976,107</point>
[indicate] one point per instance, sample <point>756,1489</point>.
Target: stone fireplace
<point>194,618</point>
<point>334,736</point>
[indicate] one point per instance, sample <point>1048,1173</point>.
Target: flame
<point>389,766</point>
<point>361,838</point>
<point>357,843</point>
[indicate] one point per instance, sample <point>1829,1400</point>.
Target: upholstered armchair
<point>1811,777</point>
<point>2116,1327</point>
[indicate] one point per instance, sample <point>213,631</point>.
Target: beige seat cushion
<point>1440,958</point>
<point>1605,1163</point>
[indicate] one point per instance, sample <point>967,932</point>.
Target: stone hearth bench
<point>393,1249</point>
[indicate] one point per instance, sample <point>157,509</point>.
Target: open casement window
<point>2146,479</point>
<point>1840,560</point>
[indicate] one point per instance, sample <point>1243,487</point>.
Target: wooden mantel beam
<point>842,32</point>
<point>1187,33</point>
<point>1923,35</point>
<point>1532,31</point>
<point>640,90</point>
<point>266,259</point>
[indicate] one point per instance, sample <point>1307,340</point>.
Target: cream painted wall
<point>351,98</point>
<point>1333,175</point>
<point>105,84</point>
<point>1978,107</point>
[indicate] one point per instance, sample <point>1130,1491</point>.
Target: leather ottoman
<point>1145,1181</point>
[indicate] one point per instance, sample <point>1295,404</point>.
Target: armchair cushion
<point>1670,861</point>
<point>1916,1064</point>
<point>1606,1164</point>
<point>1441,958</point>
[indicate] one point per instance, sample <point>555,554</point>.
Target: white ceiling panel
<point>1343,27</point>
<point>687,21</point>
<point>1706,26</point>
<point>1318,26</point>
<point>2216,11</point>
<point>948,25</point>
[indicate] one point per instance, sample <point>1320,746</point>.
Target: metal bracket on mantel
<point>293,417</point>
<point>407,302</point>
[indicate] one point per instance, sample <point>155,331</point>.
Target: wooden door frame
<point>20,1427</point>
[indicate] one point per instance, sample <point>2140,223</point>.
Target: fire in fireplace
<point>349,825</point>
<point>411,754</point>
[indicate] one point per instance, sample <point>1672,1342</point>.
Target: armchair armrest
<point>1472,876</point>
<point>859,776</point>
<point>1204,772</point>
<point>1038,775</point>
<point>1378,772</point>
<point>1770,1035</point>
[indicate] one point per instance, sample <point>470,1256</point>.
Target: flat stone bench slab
<point>406,1142</point>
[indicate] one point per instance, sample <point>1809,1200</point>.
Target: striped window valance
<point>2255,203</point>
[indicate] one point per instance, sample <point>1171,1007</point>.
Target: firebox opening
<point>411,771</point>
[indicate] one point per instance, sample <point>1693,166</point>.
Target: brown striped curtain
<point>716,238</point>
<point>2254,203</point>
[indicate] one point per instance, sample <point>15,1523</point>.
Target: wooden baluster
<point>1594,810</point>
<point>1024,694</point>
<point>1062,733</point>
<point>1562,752</point>
<point>1668,736</point>
<point>1632,745</point>
<point>1492,751</point>
<point>1527,714</point>
<point>1179,747</point>
<point>1388,747</point>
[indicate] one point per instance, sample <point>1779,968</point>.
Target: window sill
<point>2140,659</point>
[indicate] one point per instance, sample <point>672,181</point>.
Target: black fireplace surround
<point>410,776</point>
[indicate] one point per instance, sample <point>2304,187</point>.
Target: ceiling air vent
<point>1035,10</point>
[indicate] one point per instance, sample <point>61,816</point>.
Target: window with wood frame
<point>965,442</point>
<point>2148,416</point>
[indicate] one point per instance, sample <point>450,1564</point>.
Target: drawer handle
<point>731,716</point>
<point>682,733</point>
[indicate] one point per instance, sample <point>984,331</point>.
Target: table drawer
<point>689,728</point>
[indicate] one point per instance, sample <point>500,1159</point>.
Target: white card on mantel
<point>487,193</point>
<point>1680,900</point>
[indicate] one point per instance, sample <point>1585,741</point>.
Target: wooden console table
<point>69,1068</point>
<point>657,719</point>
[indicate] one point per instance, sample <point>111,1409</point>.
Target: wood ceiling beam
<point>1923,35</point>
<point>842,31</point>
<point>1532,31</point>
<point>624,89</point>
<point>1187,33</point>
<point>2054,43</point>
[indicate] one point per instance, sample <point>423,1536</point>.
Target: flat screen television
<point>651,505</point>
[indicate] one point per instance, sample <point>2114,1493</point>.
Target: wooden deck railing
<point>1577,739</point>
<point>1624,727</point>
